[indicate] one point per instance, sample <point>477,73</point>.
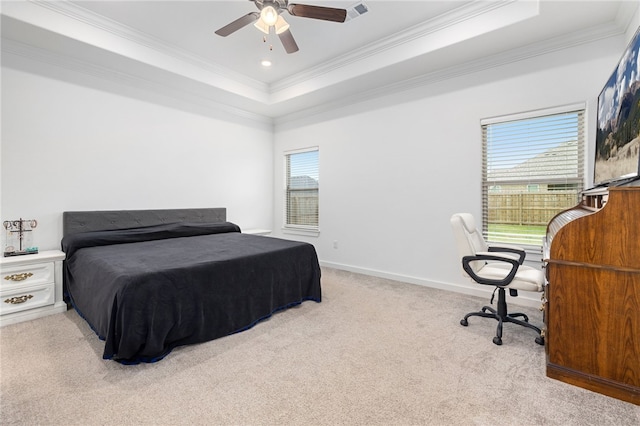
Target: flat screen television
<point>617,155</point>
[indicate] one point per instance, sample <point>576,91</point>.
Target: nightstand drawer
<point>27,297</point>
<point>17,277</point>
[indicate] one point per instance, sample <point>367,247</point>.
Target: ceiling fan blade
<point>238,23</point>
<point>288,42</point>
<point>318,12</point>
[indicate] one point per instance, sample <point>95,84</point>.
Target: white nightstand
<point>31,286</point>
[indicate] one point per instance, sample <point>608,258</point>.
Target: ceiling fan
<point>270,15</point>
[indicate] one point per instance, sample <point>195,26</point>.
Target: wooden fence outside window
<point>536,208</point>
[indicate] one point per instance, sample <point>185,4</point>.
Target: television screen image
<point>617,153</point>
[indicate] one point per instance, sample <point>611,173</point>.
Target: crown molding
<point>457,16</point>
<point>626,13</point>
<point>501,59</point>
<point>37,58</point>
<point>459,26</point>
<point>88,17</point>
<point>460,15</point>
<point>43,56</point>
<point>206,99</point>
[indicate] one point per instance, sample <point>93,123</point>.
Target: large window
<point>301,192</point>
<point>532,169</point>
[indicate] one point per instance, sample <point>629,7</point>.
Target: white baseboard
<point>524,298</point>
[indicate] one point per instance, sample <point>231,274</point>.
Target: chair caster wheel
<point>497,340</point>
<point>540,340</point>
<point>464,322</point>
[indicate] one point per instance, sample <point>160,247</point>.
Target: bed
<point>147,281</point>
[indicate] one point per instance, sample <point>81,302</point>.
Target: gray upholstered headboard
<point>84,221</point>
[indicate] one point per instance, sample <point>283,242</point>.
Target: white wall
<point>70,147</point>
<point>393,171</point>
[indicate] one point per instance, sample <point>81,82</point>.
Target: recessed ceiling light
<point>265,63</point>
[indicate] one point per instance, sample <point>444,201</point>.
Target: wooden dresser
<point>592,296</point>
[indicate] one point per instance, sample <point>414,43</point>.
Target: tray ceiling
<point>172,44</point>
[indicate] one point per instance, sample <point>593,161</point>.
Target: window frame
<point>578,182</point>
<point>299,229</point>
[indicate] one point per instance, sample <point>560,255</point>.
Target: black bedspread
<point>147,290</point>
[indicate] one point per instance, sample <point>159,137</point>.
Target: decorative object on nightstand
<point>19,237</point>
<point>31,286</point>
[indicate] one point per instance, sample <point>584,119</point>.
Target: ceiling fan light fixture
<point>262,26</point>
<point>269,15</point>
<point>281,25</point>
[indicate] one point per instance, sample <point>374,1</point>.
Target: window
<point>301,192</point>
<point>544,151</point>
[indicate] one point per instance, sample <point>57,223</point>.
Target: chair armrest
<point>501,255</point>
<point>466,260</point>
<point>510,249</point>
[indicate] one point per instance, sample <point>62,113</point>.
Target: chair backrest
<point>469,240</point>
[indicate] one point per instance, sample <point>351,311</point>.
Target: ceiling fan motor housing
<point>276,4</point>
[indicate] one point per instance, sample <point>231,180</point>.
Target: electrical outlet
<point>335,244</point>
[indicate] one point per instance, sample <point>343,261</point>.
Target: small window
<point>537,161</point>
<point>301,190</point>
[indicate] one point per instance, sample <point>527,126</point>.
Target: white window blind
<point>532,169</point>
<point>302,185</point>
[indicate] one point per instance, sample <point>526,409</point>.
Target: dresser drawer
<point>26,297</point>
<point>16,277</point>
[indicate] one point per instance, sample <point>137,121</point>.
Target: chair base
<point>502,316</point>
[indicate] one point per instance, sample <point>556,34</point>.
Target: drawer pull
<point>18,277</point>
<point>18,300</point>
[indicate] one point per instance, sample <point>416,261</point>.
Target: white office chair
<point>498,266</point>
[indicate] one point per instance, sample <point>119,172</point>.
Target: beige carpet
<point>374,352</point>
